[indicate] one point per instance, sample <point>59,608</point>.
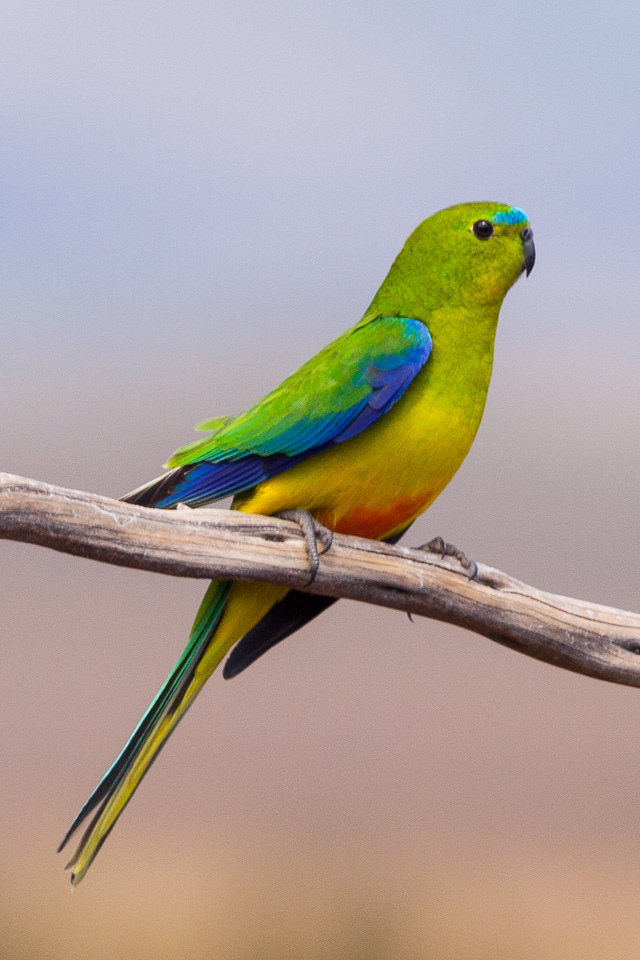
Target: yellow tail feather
<point>245,605</point>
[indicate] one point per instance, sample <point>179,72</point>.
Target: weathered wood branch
<point>584,637</point>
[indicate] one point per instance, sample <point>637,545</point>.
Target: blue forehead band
<point>512,216</point>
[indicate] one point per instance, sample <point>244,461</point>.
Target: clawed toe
<point>313,532</point>
<point>444,549</point>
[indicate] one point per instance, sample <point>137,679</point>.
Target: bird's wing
<point>332,398</point>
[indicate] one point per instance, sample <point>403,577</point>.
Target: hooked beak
<point>529,250</point>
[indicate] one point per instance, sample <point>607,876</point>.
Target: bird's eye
<point>482,229</point>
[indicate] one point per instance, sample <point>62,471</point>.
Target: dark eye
<point>483,229</point>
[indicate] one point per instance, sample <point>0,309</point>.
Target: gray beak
<point>529,250</point>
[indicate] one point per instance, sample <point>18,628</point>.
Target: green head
<point>465,256</point>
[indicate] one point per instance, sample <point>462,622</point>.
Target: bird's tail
<point>222,619</point>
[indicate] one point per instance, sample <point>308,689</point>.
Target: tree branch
<point>584,637</point>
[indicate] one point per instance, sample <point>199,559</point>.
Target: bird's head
<point>468,254</point>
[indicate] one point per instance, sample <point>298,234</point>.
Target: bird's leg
<point>313,531</point>
<point>442,548</point>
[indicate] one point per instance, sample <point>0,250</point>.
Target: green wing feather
<point>325,390</point>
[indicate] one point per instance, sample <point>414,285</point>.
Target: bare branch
<point>584,637</point>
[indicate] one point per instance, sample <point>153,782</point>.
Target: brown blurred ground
<point>252,899</point>
<point>370,789</point>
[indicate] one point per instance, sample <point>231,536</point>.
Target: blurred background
<point>194,198</point>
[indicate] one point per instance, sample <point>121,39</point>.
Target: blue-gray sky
<point>173,171</point>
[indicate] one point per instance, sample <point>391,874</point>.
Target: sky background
<point>195,198</point>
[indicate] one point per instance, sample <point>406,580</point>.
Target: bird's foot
<point>313,532</point>
<point>440,546</point>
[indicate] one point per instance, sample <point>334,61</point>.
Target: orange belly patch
<point>378,523</point>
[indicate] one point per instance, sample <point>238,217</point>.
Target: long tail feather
<point>174,698</point>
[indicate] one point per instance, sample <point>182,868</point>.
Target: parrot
<point>360,440</point>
